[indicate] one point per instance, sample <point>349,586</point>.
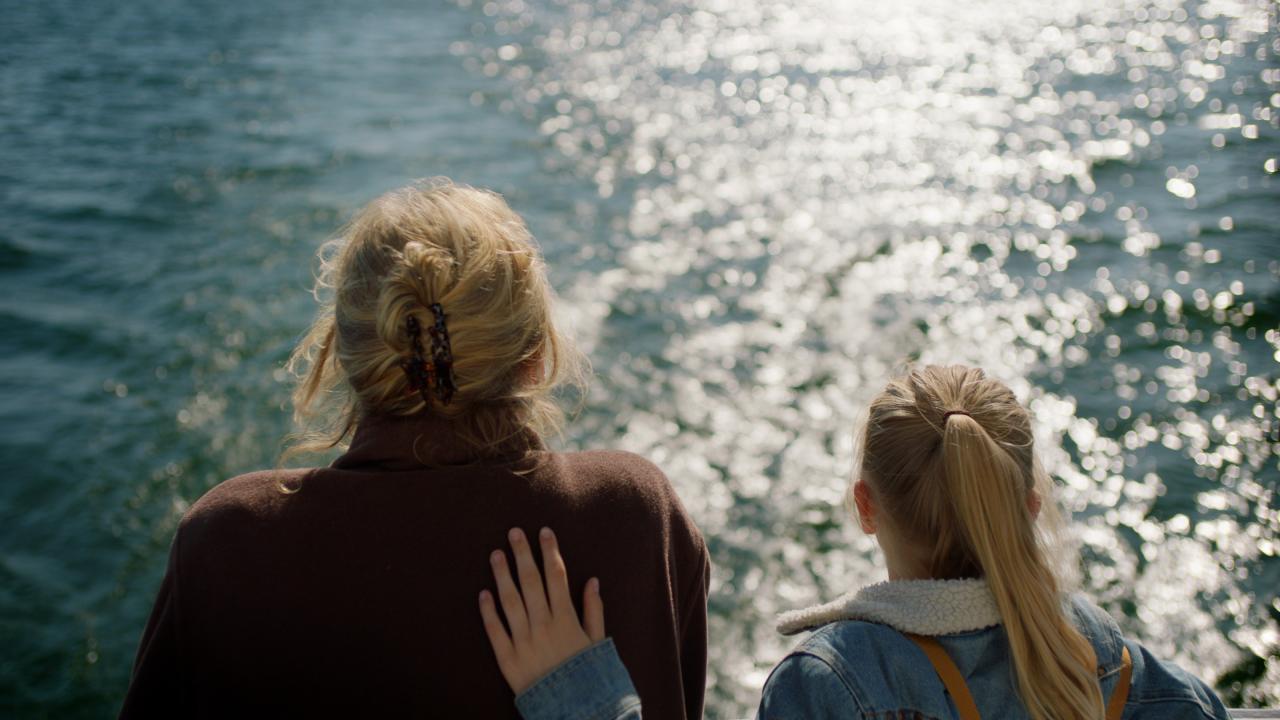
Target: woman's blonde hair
<point>948,455</point>
<point>432,242</point>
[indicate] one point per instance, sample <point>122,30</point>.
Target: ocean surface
<point>754,212</point>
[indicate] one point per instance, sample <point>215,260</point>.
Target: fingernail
<point>484,597</point>
<point>514,535</point>
<point>594,584</point>
<point>546,534</point>
<point>496,557</point>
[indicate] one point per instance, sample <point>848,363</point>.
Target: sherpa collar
<point>924,607</point>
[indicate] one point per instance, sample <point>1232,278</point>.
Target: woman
<point>301,592</point>
<point>971,623</point>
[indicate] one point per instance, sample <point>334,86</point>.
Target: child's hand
<point>542,635</point>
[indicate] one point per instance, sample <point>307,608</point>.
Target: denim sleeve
<point>806,686</point>
<point>592,685</point>
<point>1163,691</point>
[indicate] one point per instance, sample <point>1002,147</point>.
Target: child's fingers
<point>498,640</point>
<point>557,576</point>
<point>535,598</point>
<point>512,606</point>
<point>593,609</point>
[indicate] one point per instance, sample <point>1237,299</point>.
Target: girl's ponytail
<point>993,498</point>
<point>948,453</point>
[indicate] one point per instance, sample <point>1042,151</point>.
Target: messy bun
<point>432,243</point>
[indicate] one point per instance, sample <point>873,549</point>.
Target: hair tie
<point>434,374</point>
<point>949,413</point>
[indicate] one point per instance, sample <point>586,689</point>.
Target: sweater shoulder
<point>243,500</point>
<point>619,480</point>
<point>619,464</point>
<point>618,475</point>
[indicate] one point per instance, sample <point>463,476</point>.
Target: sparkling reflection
<point>808,194</point>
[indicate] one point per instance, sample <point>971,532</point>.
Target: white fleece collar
<point>924,607</point>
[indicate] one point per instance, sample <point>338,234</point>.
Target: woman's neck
<point>407,442</point>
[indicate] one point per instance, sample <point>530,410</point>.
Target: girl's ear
<point>1033,503</point>
<point>865,501</point>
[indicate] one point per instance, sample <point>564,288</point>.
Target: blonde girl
<point>972,621</point>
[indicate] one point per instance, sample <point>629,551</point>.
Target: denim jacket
<point>857,669</point>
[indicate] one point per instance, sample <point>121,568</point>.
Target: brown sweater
<point>356,595</point>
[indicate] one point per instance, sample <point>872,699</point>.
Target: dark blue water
<point>753,214</point>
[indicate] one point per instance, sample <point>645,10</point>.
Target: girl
<point>297,592</point>
<point>972,621</point>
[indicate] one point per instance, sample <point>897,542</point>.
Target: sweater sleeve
<point>693,638</point>
<point>155,690</point>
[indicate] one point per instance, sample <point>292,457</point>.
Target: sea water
<point>755,212</point>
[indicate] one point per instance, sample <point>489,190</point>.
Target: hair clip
<point>415,366</point>
<point>442,356</point>
<point>434,375</point>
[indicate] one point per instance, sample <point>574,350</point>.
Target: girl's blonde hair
<point>433,242</point>
<point>948,455</point>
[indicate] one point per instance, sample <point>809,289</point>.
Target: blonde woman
<point>971,623</point>
<point>316,592</point>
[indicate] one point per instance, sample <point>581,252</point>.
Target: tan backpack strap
<point>950,676</point>
<point>1115,705</point>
